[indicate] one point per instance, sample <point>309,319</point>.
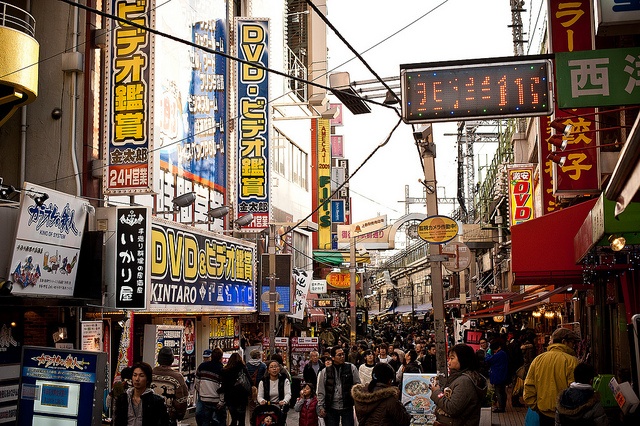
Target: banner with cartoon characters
<point>47,246</point>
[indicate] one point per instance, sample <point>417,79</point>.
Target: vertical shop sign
<point>571,30</point>
<point>322,141</point>
<point>91,336</point>
<point>132,230</point>
<point>127,126</point>
<point>520,194</point>
<point>253,121</point>
<point>549,202</point>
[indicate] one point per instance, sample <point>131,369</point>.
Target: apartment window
<point>301,255</point>
<point>290,161</point>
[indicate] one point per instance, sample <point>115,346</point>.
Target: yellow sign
<point>438,229</point>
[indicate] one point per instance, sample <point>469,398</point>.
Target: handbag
<point>242,382</point>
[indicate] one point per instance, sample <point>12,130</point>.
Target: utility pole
<point>272,289</point>
<point>352,286</point>
<point>427,149</point>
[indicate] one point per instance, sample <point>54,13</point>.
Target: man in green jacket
<point>549,373</point>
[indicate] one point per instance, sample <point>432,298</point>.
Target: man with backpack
<point>170,385</point>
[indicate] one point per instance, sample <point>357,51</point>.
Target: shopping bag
<point>532,418</point>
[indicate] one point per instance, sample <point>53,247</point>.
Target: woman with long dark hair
<point>459,397</point>
<point>235,397</point>
<point>378,404</point>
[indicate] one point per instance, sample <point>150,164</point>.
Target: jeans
<point>334,417</point>
<point>501,395</point>
<point>207,414</point>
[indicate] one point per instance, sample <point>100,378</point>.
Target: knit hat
<point>165,356</point>
<point>206,353</point>
<point>562,333</point>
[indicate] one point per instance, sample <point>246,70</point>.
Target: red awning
<point>542,248</point>
<point>516,306</point>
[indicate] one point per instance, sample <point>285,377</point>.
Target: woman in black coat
<point>235,397</point>
<point>139,402</point>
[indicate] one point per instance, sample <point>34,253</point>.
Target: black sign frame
<point>494,88</point>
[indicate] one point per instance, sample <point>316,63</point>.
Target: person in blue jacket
<point>498,363</point>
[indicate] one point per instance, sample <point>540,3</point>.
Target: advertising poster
<point>190,94</point>
<point>47,246</point>
<point>300,348</point>
<point>416,398</point>
<point>61,386</point>
<point>91,336</point>
<point>282,347</point>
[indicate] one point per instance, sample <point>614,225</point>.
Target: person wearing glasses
<point>335,403</point>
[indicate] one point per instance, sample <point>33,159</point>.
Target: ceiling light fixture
<point>617,242</point>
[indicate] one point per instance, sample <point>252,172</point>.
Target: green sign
<point>595,78</point>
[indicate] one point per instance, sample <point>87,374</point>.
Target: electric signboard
<point>452,91</point>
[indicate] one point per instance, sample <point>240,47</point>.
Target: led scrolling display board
<point>447,92</point>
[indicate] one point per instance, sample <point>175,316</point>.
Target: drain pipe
<point>74,107</point>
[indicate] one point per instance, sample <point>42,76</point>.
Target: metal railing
<point>296,68</point>
<point>17,19</point>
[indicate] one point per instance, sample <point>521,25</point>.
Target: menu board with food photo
<point>416,398</point>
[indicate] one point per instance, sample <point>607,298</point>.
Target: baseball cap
<point>562,333</point>
<point>206,353</point>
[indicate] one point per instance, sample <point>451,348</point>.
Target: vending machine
<point>61,386</point>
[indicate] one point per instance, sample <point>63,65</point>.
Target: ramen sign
<point>438,229</point>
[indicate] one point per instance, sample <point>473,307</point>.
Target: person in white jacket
<point>367,367</point>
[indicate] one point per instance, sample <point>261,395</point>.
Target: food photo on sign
<point>416,398</point>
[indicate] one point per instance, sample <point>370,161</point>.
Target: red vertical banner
<point>548,200</point>
<point>571,29</point>
<point>520,194</point>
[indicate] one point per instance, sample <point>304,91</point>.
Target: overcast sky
<point>453,30</point>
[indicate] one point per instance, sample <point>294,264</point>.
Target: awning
<point>625,181</point>
<point>601,222</point>
<point>516,306</point>
<point>542,249</point>
<point>402,309</point>
<point>337,258</point>
<point>424,307</point>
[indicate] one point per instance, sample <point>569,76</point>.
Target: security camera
<point>423,134</point>
<point>185,200</point>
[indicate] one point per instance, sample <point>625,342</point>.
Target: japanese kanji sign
<point>598,77</point>
<point>571,30</point>
<point>253,121</point>
<point>131,272</point>
<point>127,122</point>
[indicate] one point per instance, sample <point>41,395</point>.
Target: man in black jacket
<point>335,403</point>
<point>312,369</point>
<point>429,363</point>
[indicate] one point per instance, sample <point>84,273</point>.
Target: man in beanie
<point>550,373</point>
<point>210,408</point>
<point>170,384</point>
<point>256,369</point>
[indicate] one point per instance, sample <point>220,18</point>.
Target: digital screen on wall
<point>454,91</point>
<point>284,302</point>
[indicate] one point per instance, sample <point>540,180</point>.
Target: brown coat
<point>381,407</point>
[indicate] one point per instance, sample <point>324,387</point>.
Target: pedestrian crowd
<point>362,385</point>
